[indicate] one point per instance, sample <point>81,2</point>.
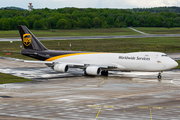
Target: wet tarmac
<point>58,96</point>
<point>96,37</point>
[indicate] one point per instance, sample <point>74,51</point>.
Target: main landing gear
<point>104,73</point>
<point>85,73</point>
<point>159,75</point>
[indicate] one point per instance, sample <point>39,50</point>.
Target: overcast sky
<point>89,3</point>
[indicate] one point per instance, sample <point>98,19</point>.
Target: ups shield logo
<point>27,39</point>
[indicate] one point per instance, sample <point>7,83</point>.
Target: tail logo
<point>27,39</point>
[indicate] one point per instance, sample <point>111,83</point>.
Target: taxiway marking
<point>143,107</point>
<point>98,113</point>
<point>175,83</point>
<point>157,107</point>
<point>101,82</point>
<point>151,114</point>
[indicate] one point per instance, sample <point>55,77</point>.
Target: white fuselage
<point>137,61</point>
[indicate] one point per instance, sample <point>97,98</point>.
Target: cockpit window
<point>164,55</point>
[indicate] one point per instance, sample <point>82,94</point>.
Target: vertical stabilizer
<point>29,40</point>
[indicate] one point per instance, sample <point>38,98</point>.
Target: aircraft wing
<point>50,62</point>
<point>31,61</point>
<point>106,65</point>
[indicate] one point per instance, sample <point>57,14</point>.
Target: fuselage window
<point>164,55</point>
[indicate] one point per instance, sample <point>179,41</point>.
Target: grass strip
<point>72,32</point>
<point>6,78</point>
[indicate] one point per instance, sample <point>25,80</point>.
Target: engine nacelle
<point>63,68</point>
<point>93,70</point>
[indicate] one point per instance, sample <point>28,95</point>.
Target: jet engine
<point>93,70</point>
<point>63,68</point>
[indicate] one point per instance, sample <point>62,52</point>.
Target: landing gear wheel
<point>104,73</point>
<point>159,76</point>
<point>85,73</point>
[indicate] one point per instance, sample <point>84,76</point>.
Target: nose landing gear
<point>159,75</point>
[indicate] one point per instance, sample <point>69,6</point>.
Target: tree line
<point>73,18</point>
<point>173,9</point>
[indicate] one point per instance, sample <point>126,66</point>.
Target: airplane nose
<point>171,64</point>
<point>174,64</point>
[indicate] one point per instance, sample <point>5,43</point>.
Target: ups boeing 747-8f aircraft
<point>94,63</point>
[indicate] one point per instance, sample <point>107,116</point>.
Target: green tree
<point>46,9</point>
<point>38,25</point>
<point>110,21</point>
<point>61,10</point>
<point>136,23</point>
<point>5,25</point>
<point>30,22</point>
<point>17,18</point>
<point>63,24</point>
<point>80,23</point>
<point>96,21</point>
<point>117,24</point>
<point>84,22</point>
<point>1,23</point>
<point>129,21</point>
<point>123,24</point>
<point>23,22</point>
<point>52,22</point>
<point>105,25</point>
<point>74,15</point>
<point>167,24</point>
<point>36,17</point>
<point>46,23</point>
<point>74,23</point>
<point>13,23</point>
